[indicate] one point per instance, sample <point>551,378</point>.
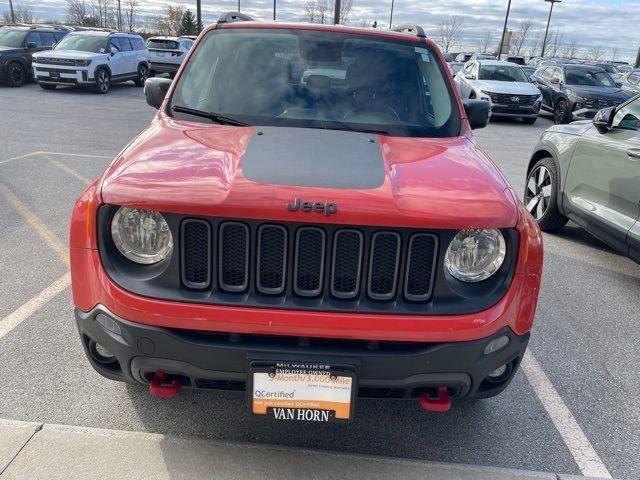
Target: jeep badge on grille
<point>318,207</point>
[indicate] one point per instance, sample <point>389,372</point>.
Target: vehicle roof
<point>36,28</point>
<point>497,63</point>
<point>102,33</point>
<point>373,32</point>
<point>166,37</point>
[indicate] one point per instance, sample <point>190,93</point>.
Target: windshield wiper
<point>216,117</point>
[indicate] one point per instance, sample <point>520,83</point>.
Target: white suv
<point>167,53</point>
<point>93,58</point>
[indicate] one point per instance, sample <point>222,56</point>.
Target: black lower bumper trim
<point>218,361</point>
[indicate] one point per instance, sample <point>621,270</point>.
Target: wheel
<point>541,195</point>
<point>16,75</point>
<point>529,120</point>
<point>103,82</point>
<point>152,73</point>
<point>561,113</point>
<point>143,74</point>
<point>47,86</point>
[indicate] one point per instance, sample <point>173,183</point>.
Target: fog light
<point>496,344</point>
<point>103,352</point>
<point>498,372</point>
<point>109,324</point>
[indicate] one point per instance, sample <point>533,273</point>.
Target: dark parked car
<point>18,43</point>
<point>630,82</point>
<point>576,92</point>
<point>528,69</point>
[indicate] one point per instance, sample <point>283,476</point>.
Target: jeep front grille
<point>308,261</point>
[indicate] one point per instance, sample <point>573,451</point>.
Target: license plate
<point>54,75</point>
<point>160,54</point>
<point>302,392</point>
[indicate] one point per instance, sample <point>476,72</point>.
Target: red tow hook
<point>157,389</point>
<point>441,404</point>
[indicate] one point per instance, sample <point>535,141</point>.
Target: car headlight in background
<point>142,236</point>
<point>474,255</point>
<point>82,63</point>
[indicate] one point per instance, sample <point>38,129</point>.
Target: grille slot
<point>383,265</point>
<point>346,264</point>
<point>234,257</point>
<point>196,254</point>
<point>272,259</point>
<point>420,267</point>
<point>309,261</point>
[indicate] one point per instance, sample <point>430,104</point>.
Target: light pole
<point>198,16</point>
<point>391,17</point>
<point>13,16</point>
<point>274,10</point>
<point>504,30</point>
<point>336,12</point>
<point>238,6</point>
<point>544,44</point>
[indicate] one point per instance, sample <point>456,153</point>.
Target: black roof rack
<point>230,17</point>
<point>412,29</point>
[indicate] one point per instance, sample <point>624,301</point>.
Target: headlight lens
<point>475,255</point>
<point>82,63</point>
<point>142,236</point>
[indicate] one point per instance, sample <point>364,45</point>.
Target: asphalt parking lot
<point>585,340</point>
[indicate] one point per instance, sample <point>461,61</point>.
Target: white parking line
<point>16,317</point>
<point>35,154</point>
<point>583,452</point>
<point>68,170</point>
<point>20,157</point>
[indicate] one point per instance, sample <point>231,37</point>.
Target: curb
<point>47,451</point>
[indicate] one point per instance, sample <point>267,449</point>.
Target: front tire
<point>103,82</point>
<point>541,195</point>
<point>16,75</point>
<point>143,74</point>
<point>562,114</point>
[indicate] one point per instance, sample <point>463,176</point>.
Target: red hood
<point>194,168</point>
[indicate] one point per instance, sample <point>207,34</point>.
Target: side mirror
<point>619,84</point>
<point>469,76</point>
<point>555,81</point>
<point>478,113</point>
<point>604,118</point>
<point>114,50</point>
<point>155,89</point>
<point>32,45</point>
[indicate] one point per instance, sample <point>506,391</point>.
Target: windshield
<point>312,79</point>
<point>11,38</point>
<point>502,73</point>
<point>82,43</point>
<point>586,77</point>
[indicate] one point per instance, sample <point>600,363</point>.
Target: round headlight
<point>142,236</point>
<point>475,255</point>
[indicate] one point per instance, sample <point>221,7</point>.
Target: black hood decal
<point>308,157</point>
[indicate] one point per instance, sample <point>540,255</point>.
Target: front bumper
<point>62,75</point>
<point>516,111</point>
<point>219,361</point>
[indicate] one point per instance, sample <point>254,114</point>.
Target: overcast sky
<point>605,23</point>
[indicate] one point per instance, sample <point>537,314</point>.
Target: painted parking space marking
<point>64,154</point>
<point>15,318</point>
<point>68,170</point>
<point>38,225</point>
<point>583,452</point>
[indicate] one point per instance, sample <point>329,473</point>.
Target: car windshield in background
<point>502,73</point>
<point>591,78</point>
<point>82,43</point>
<point>302,78</point>
<point>11,38</point>
<point>162,44</point>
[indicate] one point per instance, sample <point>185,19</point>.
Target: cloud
<point>608,24</point>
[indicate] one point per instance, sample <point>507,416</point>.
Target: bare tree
<point>322,11</point>
<point>596,52</point>
<point>486,41</point>
<point>614,54</point>
<point>22,13</point>
<point>131,7</point>
<point>520,38</point>
<point>554,43</point>
<point>450,32</point>
<point>570,50</point>
<point>534,45</point>
<point>77,12</point>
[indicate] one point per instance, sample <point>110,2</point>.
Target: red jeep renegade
<point>307,219</point>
